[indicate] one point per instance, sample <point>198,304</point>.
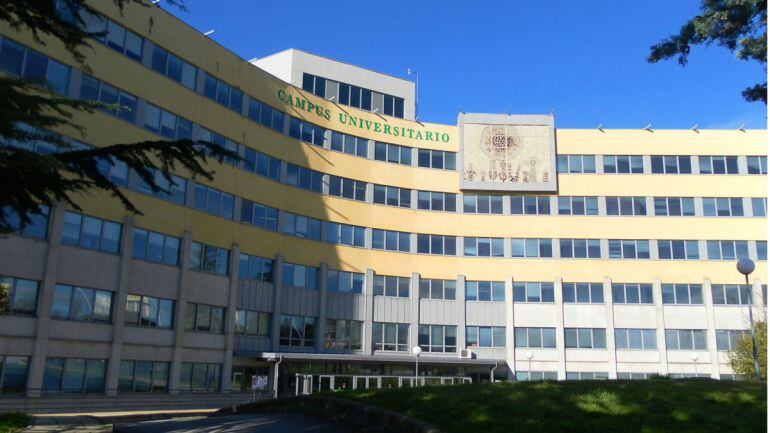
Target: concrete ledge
<point>358,417</point>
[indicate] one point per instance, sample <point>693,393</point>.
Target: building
<point>344,239</point>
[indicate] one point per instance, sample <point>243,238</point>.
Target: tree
<point>31,180</point>
<point>738,25</point>
<point>742,357</point>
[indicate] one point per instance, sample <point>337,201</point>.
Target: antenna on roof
<point>742,127</point>
<point>254,59</point>
<point>208,32</point>
<point>694,128</point>
<point>155,2</point>
<point>648,127</point>
<point>600,128</point>
<point>331,98</point>
<point>553,111</point>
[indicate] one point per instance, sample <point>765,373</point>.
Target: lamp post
<point>416,351</point>
<point>746,266</point>
<point>529,356</point>
<point>694,357</point>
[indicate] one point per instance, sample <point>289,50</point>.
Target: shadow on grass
<point>650,406</point>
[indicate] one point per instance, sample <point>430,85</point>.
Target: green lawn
<point>13,422</point>
<point>651,406</point>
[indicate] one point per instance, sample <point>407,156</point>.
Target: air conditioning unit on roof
<point>465,354</point>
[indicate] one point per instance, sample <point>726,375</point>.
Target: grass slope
<point>651,406</point>
<point>13,421</point>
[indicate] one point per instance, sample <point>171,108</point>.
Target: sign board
<point>501,152</point>
<point>258,383</point>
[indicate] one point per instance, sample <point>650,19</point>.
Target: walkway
<point>263,423</point>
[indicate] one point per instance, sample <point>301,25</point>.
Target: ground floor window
<point>587,375</point>
<point>535,375</point>
<point>74,375</point>
<point>143,376</point>
<point>244,378</point>
<point>199,377</point>
<point>13,373</point>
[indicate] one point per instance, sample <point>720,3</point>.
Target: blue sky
<point>583,59</point>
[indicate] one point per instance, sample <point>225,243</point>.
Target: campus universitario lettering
<point>343,239</point>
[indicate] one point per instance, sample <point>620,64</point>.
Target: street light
<point>529,356</point>
<point>746,267</point>
<point>416,351</point>
<point>694,357</point>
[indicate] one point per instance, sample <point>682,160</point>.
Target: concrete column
<point>45,299</point>
<point>460,296</point>
<point>711,333</point>
<point>599,164</point>
<point>322,291</point>
<point>414,308</point>
<point>646,167</point>
<point>698,204</point>
<point>275,326</point>
<point>609,314</point>
<point>660,325</point>
<point>119,308</point>
<point>181,307</point>
<point>232,296</point>
<point>757,298</point>
<point>367,344</point>
<point>510,347</point>
<point>561,362</point>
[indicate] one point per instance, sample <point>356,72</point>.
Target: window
<point>105,31</point>
<point>530,205</point>
<point>686,339</point>
<point>347,188</point>
<point>303,227</point>
<point>297,331</point>
<point>535,337</point>
<point>580,248</point>
<point>202,317</point>
<point>759,207</point>
<point>392,196</point>
<point>436,159</point>
<point>89,232</point>
<point>221,92</point>
<point>343,334</point>
<point>390,240</point>
<point>261,164</point>
<point>354,96</point>
<point>485,336</point>
<point>115,102</point>
<point>306,131</point>
<point>149,312</point>
<point>531,248</point>
<point>266,115</point>
<point>578,206</point>
<point>300,276</point>
<point>255,268</point>
<point>585,338</point>
<point>174,191</point>
<point>36,68</point>
<point>436,244</point>
<point>629,249</point>
<point>723,206</point>
<point>485,291</point>
<point>727,250</point>
<point>635,376</point>
<point>345,234</point>
<point>81,304</point>
<point>623,164</point>
<point>757,164</point>
<point>761,250</point>
<point>718,164</point>
<point>155,247</point>
<point>213,201</point>
<point>170,125</point>
<point>387,285</point>
<point>673,164</point>
<point>523,376</point>
<point>483,204</point>
<point>200,377</point>
<point>254,323</point>
<point>682,294</point>
<point>143,376</point>
<point>583,293</point>
<point>439,201</point>
<point>626,205</point>
<point>576,164</point>
<point>18,296</point>
<point>393,337</point>
<point>173,67</point>
<point>438,289</point>
<point>532,292</point>
<point>731,294</point>
<point>13,373</point>
<point>627,293</point>
<point>674,206</point>
<point>11,57</point>
<point>482,247</point>
<point>728,339</point>
<point>345,282</point>
<point>208,258</point>
<point>635,339</point>
<point>311,180</point>
<point>393,153</point>
<point>36,228</point>
<point>437,338</point>
<point>678,250</point>
<point>587,375</point>
<point>259,215</point>
<point>74,375</point>
<point>349,144</point>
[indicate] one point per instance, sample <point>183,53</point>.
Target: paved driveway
<point>264,423</point>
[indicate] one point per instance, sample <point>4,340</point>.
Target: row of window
<point>659,164</point>
<point>353,96</point>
